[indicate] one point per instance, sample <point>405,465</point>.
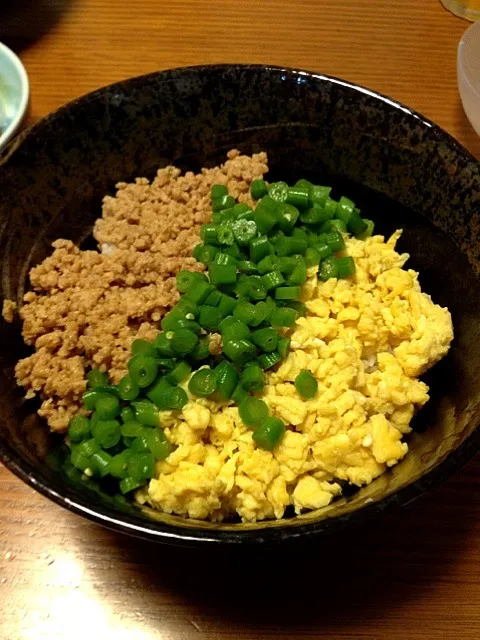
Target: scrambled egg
<point>366,340</point>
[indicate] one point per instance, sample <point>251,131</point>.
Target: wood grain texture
<point>415,574</point>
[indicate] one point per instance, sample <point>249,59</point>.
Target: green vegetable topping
<point>230,326</point>
<point>306,385</point>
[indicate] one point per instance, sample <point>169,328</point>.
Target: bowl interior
<point>399,168</point>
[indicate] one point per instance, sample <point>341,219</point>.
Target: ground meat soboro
<point>86,307</point>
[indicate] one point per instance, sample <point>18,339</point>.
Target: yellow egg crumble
<point>366,340</point>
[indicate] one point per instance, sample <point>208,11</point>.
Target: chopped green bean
<point>208,233</point>
<point>241,209</point>
<point>127,414</point>
<point>218,191</point>
<point>298,275</point>
<point>138,445</point>
<point>225,235</point>
<point>79,459</point>
<point>199,292</point>
<point>368,231</point>
<point>314,215</point>
<point>328,269</point>
<point>184,341</point>
<point>213,299</point>
<point>283,347</point>
<point>298,196</point>
<point>344,209</point>
<point>256,290</point>
<point>300,307</point>
<point>263,311</point>
<point>267,264</point>
<point>203,382</point>
<point>100,461</point>
<point>202,350</point>
<point>132,429</point>
<point>259,248</point>
<point>244,311</point>
<point>287,293</point>
<point>248,267</point>
<point>287,216</point>
<point>227,379</point>
<point>319,195</point>
<point>185,279</point>
<point>127,388</point>
<point>239,351</point>
<point>143,347</point>
<point>337,225</point>
<point>312,256</point>
<point>223,202</point>
<point>118,464</point>
<point>266,339</point>
<point>236,331</point>
<point>204,253</point>
<point>268,435</point>
<point>174,398</point>
<point>141,466</point>
<point>278,191</point>
<point>244,231</point>
<point>210,318</point>
<point>283,317</point>
<point>222,274</point>
<point>356,225</point>
<point>79,428</point>
<point>265,217</point>
<point>272,280</point>
<point>330,207</point>
<point>346,267</point>
<point>252,377</point>
<point>179,373</point>
<point>268,360</point>
<point>239,394</point>
<point>258,189</point>
<point>306,384</point>
<point>146,413</point>
<point>163,346</point>
<point>96,378</point>
<point>157,389</point>
<point>129,484</point>
<point>106,433</point>
<point>90,398</point>
<point>143,370</point>
<point>253,411</point>
<point>324,250</point>
<point>158,443</point>
<point>290,245</point>
<point>226,305</point>
<point>335,241</point>
<point>107,407</point>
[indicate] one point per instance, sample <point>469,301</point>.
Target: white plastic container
<point>14,93</point>
<point>468,71</point>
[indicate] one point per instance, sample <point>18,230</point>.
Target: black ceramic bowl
<point>399,167</point>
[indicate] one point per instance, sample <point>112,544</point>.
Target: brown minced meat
<point>86,307</point>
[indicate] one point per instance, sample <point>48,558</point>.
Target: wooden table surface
<point>415,574</point>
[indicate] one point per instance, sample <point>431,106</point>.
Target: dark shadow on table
<point>466,130</point>
<point>22,22</point>
<point>359,576</point>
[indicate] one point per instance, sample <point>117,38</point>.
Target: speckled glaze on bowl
<point>398,166</point>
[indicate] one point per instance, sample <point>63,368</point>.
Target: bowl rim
<point>12,128</point>
<point>261,533</point>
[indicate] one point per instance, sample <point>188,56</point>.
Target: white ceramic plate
<point>14,93</point>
